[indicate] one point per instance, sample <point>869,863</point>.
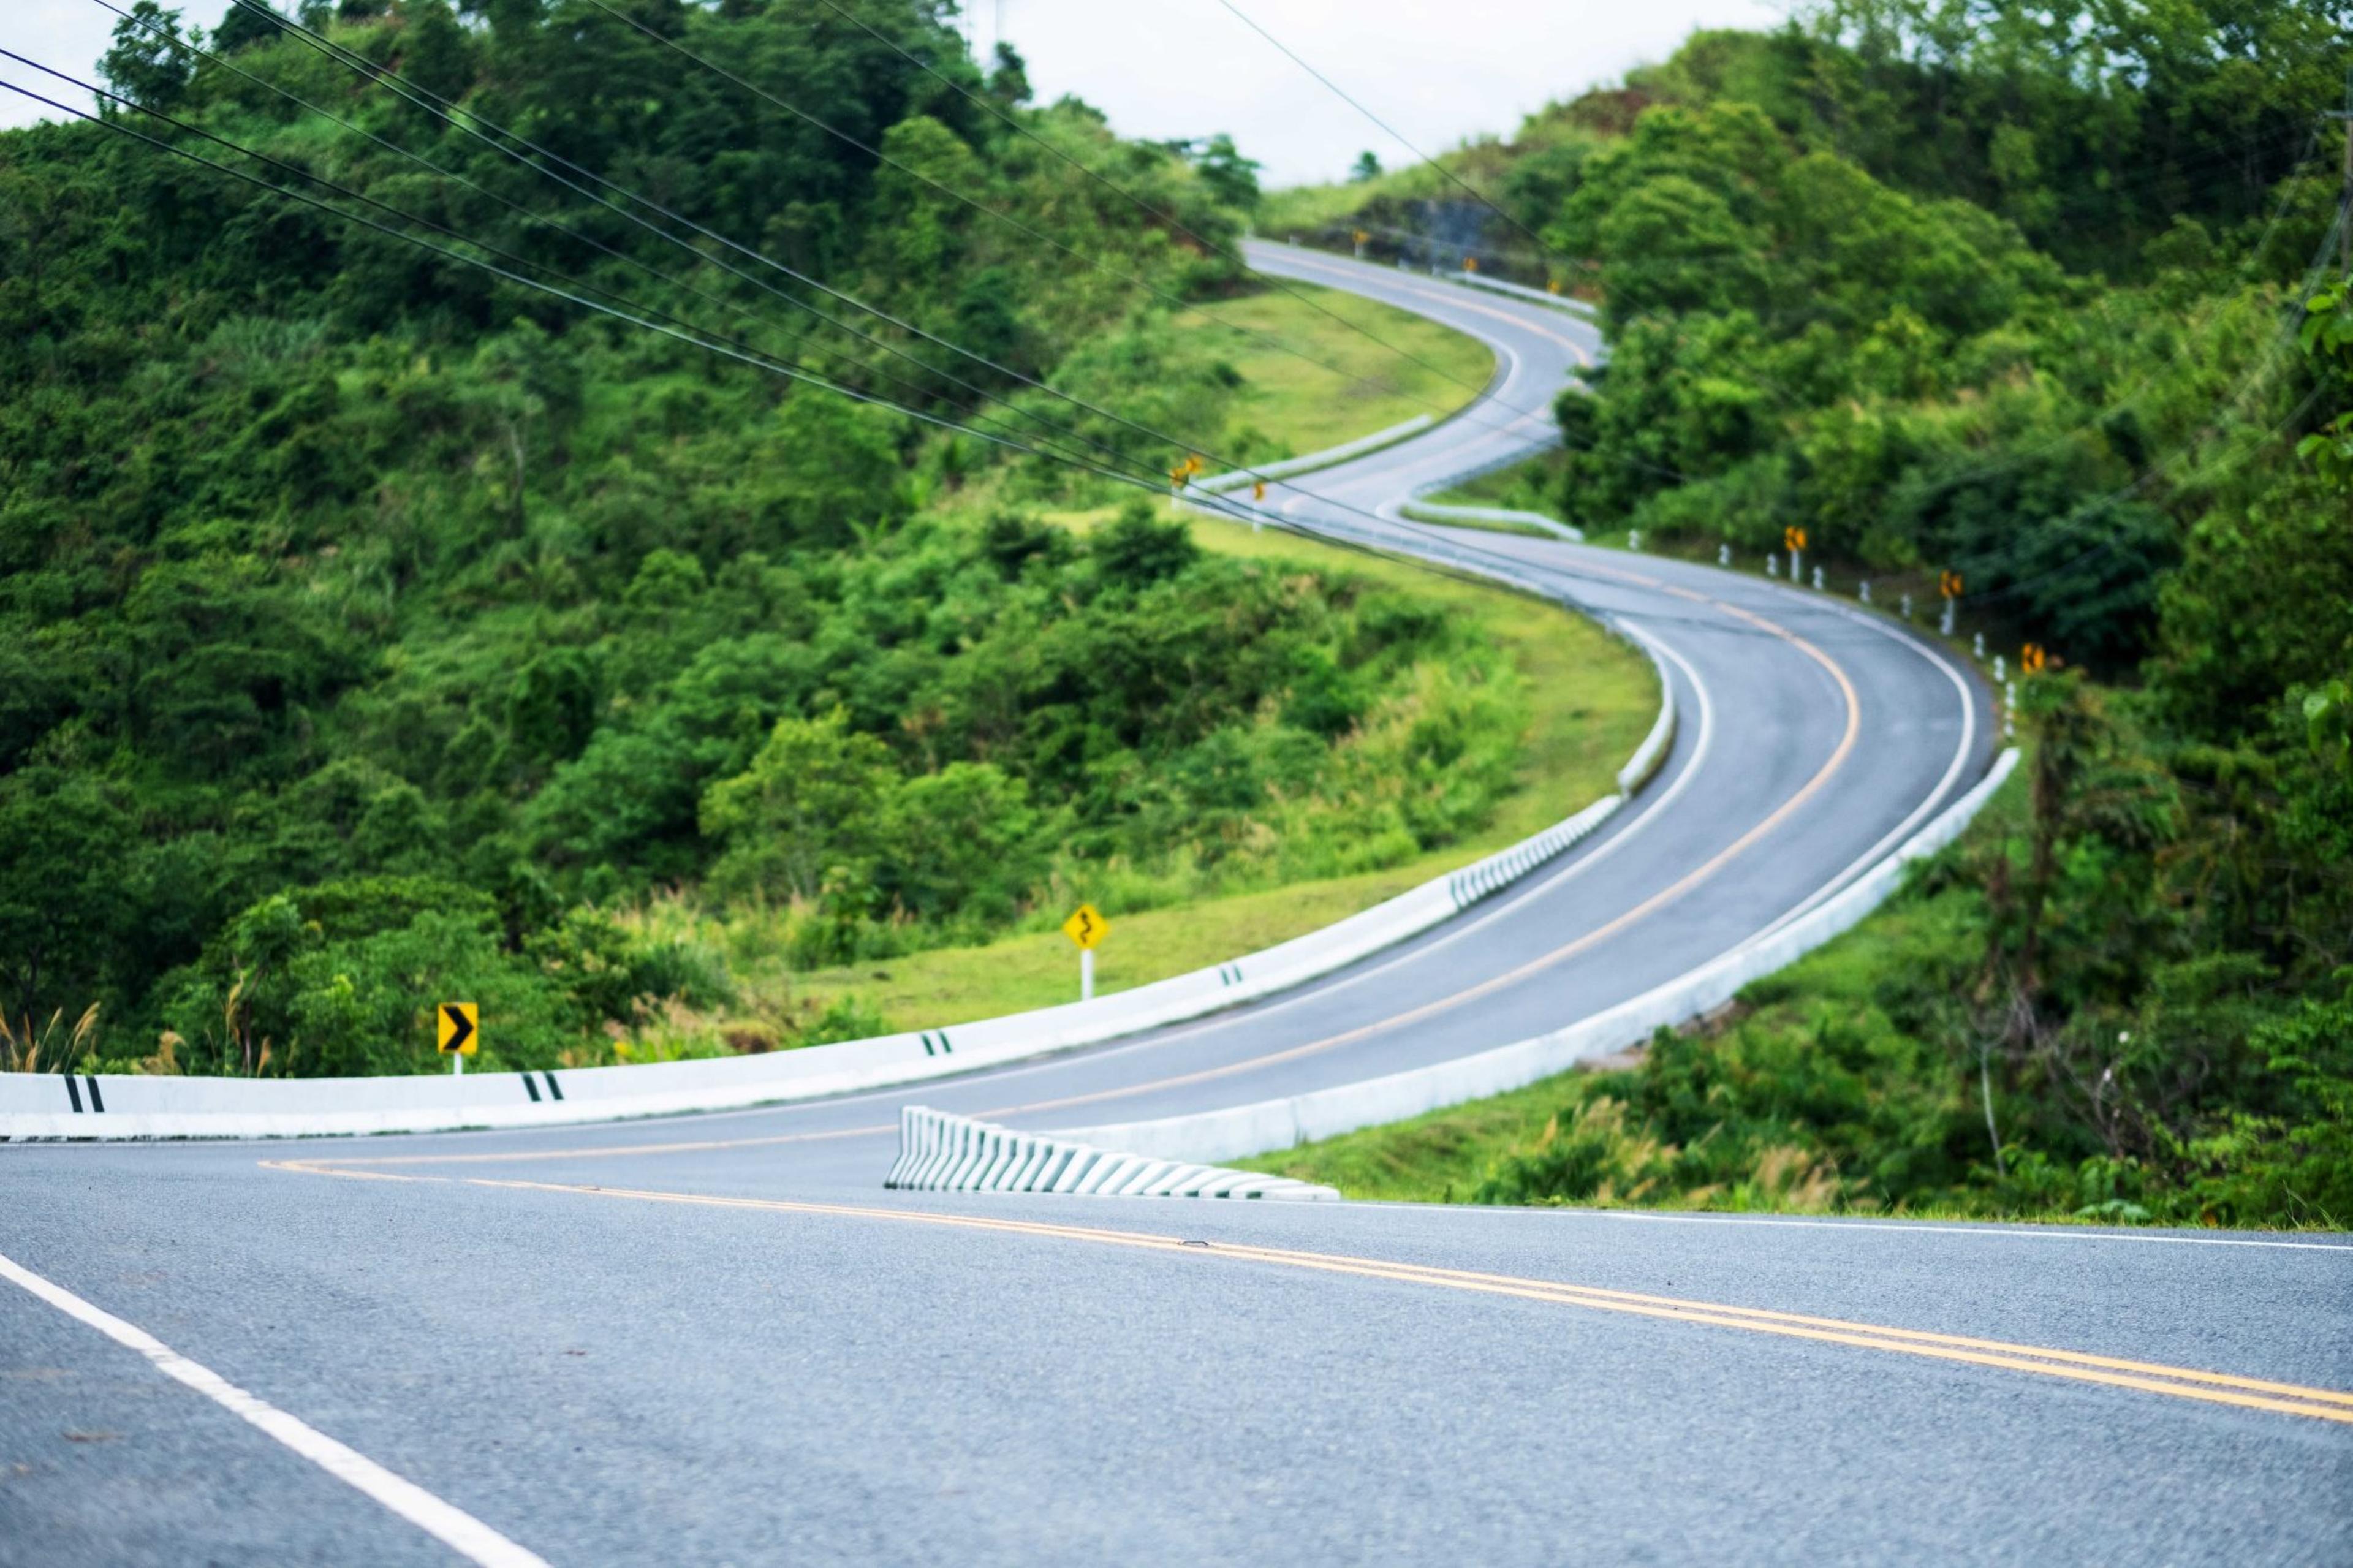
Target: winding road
<point>716,1340</point>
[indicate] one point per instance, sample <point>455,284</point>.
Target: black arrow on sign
<point>462,1027</point>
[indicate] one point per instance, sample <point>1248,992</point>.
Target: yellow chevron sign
<point>456,1028</point>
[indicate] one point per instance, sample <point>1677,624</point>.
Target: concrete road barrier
<point>940,1153</point>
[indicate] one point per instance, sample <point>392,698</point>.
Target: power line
<point>1132,280</point>
<point>350,194</point>
<point>467,119</point>
<point>686,332</point>
<point>1468,189</point>
<point>982,103</point>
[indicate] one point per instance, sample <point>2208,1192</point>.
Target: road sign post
<point>1257,505</point>
<point>456,1033</point>
<point>1794,541</point>
<point>1086,928</point>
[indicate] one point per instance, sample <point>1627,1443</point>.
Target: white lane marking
<point>1902,830</point>
<point>2043,1233</point>
<point>452,1526</point>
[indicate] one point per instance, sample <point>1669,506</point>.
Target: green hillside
<point>376,629</point>
<point>2050,297</point>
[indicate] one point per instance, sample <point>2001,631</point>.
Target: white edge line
<point>2024,1233</point>
<point>450,1525</point>
<point>1902,830</point>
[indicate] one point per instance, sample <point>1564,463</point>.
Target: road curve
<point>715,1340</point>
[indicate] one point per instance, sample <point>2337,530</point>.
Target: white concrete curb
<point>1242,1130</point>
<point>940,1153</point>
<point>1309,462</point>
<point>1431,512</point>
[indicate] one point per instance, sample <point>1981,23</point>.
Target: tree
<point>149,63</point>
<point>1366,169</point>
<point>811,802</point>
<point>243,26</point>
<point>62,843</point>
<point>1231,178</point>
<point>439,60</point>
<point>1009,81</point>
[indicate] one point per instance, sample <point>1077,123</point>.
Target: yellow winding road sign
<point>1087,927</point>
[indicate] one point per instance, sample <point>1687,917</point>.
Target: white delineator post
<point>1086,975</point>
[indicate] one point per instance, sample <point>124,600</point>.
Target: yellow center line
<point>2149,1377</point>
<point>505,1156</point>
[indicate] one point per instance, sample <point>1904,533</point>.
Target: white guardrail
<point>1242,1131</point>
<point>940,1152</point>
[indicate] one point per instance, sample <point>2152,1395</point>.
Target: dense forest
<point>376,627</point>
<point>2050,297</point>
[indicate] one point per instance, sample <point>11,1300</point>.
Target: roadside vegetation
<point>375,632</point>
<point>1584,703</point>
<point>2068,323</point>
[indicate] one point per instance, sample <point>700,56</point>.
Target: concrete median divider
<point>942,1152</point>
<point>1263,1126</point>
<point>1431,512</point>
<point>1309,462</point>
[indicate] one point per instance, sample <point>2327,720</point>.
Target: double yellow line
<point>2114,1371</point>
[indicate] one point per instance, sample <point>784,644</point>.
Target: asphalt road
<point>716,1340</point>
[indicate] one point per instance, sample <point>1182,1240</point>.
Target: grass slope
<point>1593,702</point>
<point>1321,367</point>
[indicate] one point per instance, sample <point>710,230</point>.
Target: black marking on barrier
<point>926,1038</point>
<point>73,1092</point>
<point>95,1102</point>
<point>554,1087</point>
<point>531,1088</point>
<point>945,1048</point>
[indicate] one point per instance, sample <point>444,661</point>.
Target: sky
<point>1190,68</point>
